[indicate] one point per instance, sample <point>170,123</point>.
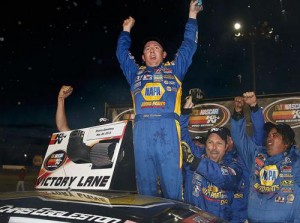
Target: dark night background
<point>45,44</point>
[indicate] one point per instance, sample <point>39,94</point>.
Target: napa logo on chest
<point>153,91</point>
<point>268,175</point>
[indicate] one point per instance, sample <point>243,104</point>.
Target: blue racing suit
<point>212,185</point>
<point>196,150</point>
<point>274,180</point>
<point>156,94</point>
<point>240,201</point>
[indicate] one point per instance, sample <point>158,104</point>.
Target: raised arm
<point>257,118</point>
<point>186,51</point>
<point>125,58</point>
<point>61,118</point>
<point>128,24</point>
<point>244,144</point>
<point>194,9</point>
<point>185,134</point>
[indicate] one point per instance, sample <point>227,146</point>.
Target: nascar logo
<point>55,160</point>
<point>284,111</point>
<point>206,116</point>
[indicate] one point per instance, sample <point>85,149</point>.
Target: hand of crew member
<point>188,102</point>
<point>188,105</point>
<point>239,103</point>
<point>250,98</point>
<point>65,91</point>
<point>187,154</point>
<point>189,157</point>
<point>128,24</point>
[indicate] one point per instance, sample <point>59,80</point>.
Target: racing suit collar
<point>156,67</point>
<point>278,157</point>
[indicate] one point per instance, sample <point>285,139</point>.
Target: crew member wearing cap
<point>216,174</point>
<point>156,92</point>
<point>274,194</point>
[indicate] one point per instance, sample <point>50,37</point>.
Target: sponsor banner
<point>82,159</point>
<point>206,116</point>
<point>217,112</point>
<point>285,110</point>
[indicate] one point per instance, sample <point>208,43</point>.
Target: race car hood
<point>92,206</point>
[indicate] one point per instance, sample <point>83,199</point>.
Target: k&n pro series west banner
<point>82,158</point>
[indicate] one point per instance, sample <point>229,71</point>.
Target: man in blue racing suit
<point>274,194</point>
<point>216,173</point>
<point>156,92</point>
<point>240,201</point>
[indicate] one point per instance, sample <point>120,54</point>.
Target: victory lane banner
<point>82,158</point>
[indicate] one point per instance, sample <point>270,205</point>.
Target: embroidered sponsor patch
<point>167,70</point>
<point>268,175</point>
<point>286,175</point>
<point>287,190</point>
<point>287,183</point>
<point>147,77</point>
<point>138,78</point>
<point>266,189</point>
<point>171,77</point>
<point>238,195</point>
<point>290,198</point>
<point>259,162</point>
<point>227,171</point>
<point>280,199</point>
<point>196,190</point>
<point>158,78</point>
<point>136,85</point>
<point>153,91</point>
<point>286,169</point>
<point>153,104</point>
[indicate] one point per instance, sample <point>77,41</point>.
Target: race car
<point>45,206</point>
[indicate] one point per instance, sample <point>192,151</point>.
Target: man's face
<point>230,143</point>
<point>153,54</point>
<point>215,147</point>
<point>275,143</point>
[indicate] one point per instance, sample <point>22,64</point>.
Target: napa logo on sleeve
<point>153,91</point>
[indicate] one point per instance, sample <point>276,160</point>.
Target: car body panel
<point>92,206</point>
